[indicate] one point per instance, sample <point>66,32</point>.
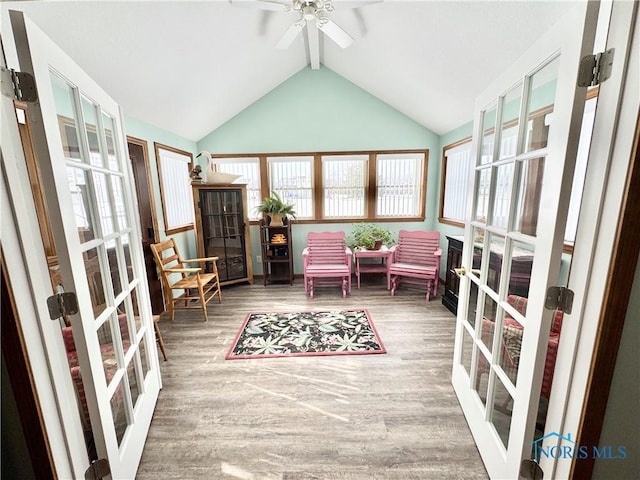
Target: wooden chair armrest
<point>437,253</point>
<point>183,270</point>
<point>201,260</point>
<point>392,257</point>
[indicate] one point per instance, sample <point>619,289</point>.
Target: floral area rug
<point>264,335</point>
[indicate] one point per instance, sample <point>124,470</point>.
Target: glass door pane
<point>496,310</point>
<point>223,227</point>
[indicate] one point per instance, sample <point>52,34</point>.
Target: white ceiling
<point>189,66</point>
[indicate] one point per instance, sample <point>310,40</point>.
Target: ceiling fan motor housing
<point>309,11</point>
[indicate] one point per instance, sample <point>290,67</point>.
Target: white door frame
<point>123,456</point>
<point>605,181</point>
<point>27,268</point>
<point>562,146</point>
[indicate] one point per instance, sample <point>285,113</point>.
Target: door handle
<point>462,271</point>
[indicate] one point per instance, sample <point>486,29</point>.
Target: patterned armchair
<point>110,367</point>
<point>512,341</point>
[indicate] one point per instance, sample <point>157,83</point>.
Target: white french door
<point>88,187</point>
<point>526,131</point>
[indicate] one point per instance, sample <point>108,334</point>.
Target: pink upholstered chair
<point>512,339</point>
<point>415,259</point>
<point>520,304</point>
<point>327,261</point>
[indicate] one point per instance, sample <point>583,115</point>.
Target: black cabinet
<point>222,230</point>
<point>277,253</point>
<point>519,271</point>
<point>451,280</point>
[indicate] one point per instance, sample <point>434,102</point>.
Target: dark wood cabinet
<point>222,230</point>
<point>277,253</point>
<point>519,271</point>
<point>451,280</point>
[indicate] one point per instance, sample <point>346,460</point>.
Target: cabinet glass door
<point>223,231</point>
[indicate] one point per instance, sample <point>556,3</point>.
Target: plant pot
<point>276,219</point>
<point>376,246</point>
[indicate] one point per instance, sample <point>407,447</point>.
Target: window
<point>175,189</point>
<point>344,181</point>
<point>398,183</point>
<point>336,186</point>
<point>292,179</point>
<point>249,169</point>
<point>456,164</point>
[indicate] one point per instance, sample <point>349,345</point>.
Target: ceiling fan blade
<point>290,35</point>
<point>313,41</point>
<point>265,16</point>
<point>274,5</point>
<point>334,32</point>
<point>341,5</point>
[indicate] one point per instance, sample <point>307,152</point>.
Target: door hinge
<point>18,85</point>
<point>62,304</point>
<point>97,470</point>
<point>530,470</point>
<point>595,69</point>
<point>559,298</point>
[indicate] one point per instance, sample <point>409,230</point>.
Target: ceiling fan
<point>312,18</point>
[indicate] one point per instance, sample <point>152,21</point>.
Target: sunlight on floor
<point>236,472</point>
<point>310,407</point>
<point>343,398</point>
<point>242,474</point>
<point>314,380</point>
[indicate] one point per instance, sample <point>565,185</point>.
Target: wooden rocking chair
<point>416,260</point>
<point>196,288</point>
<point>327,261</point>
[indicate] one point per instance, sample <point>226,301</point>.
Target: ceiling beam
<point>313,37</point>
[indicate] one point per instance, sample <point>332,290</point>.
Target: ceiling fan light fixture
<point>309,12</point>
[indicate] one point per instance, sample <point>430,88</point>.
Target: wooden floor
<point>357,417</point>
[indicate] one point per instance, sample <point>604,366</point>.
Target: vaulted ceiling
<point>189,66</point>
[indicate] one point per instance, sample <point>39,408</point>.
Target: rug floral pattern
<point>306,333</point>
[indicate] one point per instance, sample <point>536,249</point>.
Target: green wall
<point>318,110</point>
<point>144,131</point>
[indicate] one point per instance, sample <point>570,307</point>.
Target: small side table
<point>364,267</point>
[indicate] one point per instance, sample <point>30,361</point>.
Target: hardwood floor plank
<point>386,416</point>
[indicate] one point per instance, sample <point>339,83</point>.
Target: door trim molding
<point>23,387</point>
<point>612,315</point>
<point>147,166</point>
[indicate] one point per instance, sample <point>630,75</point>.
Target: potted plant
<point>275,208</point>
<point>369,236</point>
